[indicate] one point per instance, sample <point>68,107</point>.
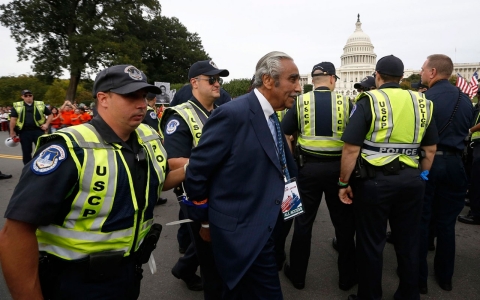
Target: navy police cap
<point>122,79</point>
<point>390,65</point>
<point>326,68</point>
<point>206,67</point>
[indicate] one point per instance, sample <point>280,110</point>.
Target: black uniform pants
<point>212,282</point>
<point>70,280</point>
<point>444,199</point>
<point>28,138</point>
<point>475,182</point>
<point>397,199</point>
<point>314,180</point>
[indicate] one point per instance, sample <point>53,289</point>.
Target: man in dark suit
<point>236,180</point>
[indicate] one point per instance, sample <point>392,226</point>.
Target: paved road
<point>322,274</point>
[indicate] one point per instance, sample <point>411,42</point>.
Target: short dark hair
<point>442,63</point>
<point>389,78</point>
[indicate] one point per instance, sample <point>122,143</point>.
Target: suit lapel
<point>264,136</point>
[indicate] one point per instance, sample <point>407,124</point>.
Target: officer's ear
<point>102,98</point>
<point>194,83</point>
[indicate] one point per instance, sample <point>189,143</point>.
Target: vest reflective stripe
<point>66,254</point>
<point>324,145</point>
<point>281,114</point>
<point>38,107</point>
<point>397,127</point>
<point>189,114</point>
<point>84,200</point>
<point>81,234</point>
<point>476,134</point>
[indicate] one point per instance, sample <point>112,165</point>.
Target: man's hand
<point>346,195</point>
<point>205,233</point>
<point>44,127</point>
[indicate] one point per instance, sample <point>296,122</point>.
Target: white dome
<point>358,50</point>
<point>358,36</point>
<point>357,61</point>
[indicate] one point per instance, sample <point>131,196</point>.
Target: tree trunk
<point>72,87</point>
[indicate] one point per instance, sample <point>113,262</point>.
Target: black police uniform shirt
<point>29,122</point>
<point>323,119</point>
<point>444,96</point>
<point>40,199</point>
<point>185,93</point>
<point>178,140</point>
<point>151,119</point>
<point>361,119</point>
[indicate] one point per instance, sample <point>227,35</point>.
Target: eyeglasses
<point>212,80</point>
<point>28,95</point>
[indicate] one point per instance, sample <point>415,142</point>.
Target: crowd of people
<point>388,156</point>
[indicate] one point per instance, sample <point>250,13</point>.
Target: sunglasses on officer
<point>211,80</point>
<point>28,95</point>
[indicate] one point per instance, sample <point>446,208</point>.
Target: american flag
<point>463,85</point>
<point>474,84</point>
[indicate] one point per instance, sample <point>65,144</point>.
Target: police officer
<point>319,117</point>
<point>27,120</point>
<point>92,225</point>
<point>152,120</point>
<point>420,87</point>
<point>367,84</point>
<point>447,185</point>
<point>182,126</point>
<point>185,93</point>
<point>473,216</point>
<point>387,127</point>
<point>151,117</point>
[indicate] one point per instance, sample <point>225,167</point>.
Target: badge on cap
<point>134,73</point>
<point>213,64</point>
<point>172,126</point>
<point>153,115</point>
<point>49,160</point>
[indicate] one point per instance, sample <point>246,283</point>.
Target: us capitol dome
<point>357,61</point>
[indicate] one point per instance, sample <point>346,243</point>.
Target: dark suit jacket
<point>236,167</point>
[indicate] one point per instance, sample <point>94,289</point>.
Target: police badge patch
<point>172,126</point>
<point>134,73</point>
<point>153,115</point>
<point>48,160</point>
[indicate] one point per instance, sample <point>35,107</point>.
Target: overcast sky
<point>236,34</point>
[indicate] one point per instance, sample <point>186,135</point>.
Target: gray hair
<point>269,65</point>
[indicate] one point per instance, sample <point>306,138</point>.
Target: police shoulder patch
<point>172,126</point>
<point>153,115</point>
<point>353,110</point>
<point>49,160</point>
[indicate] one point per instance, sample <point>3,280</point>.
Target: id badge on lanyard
<point>291,204</point>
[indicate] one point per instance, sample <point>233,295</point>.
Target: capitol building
<point>359,59</point>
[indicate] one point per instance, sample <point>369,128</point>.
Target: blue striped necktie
<point>280,149</point>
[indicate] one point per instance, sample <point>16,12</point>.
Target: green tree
<point>11,88</point>
<point>169,50</point>
<point>453,79</point>
<point>237,87</point>
<point>307,88</point>
<point>75,35</point>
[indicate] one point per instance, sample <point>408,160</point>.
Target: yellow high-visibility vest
<point>100,167</point>
<point>321,145</point>
<point>188,113</point>
<point>38,113</point>
<point>399,121</point>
